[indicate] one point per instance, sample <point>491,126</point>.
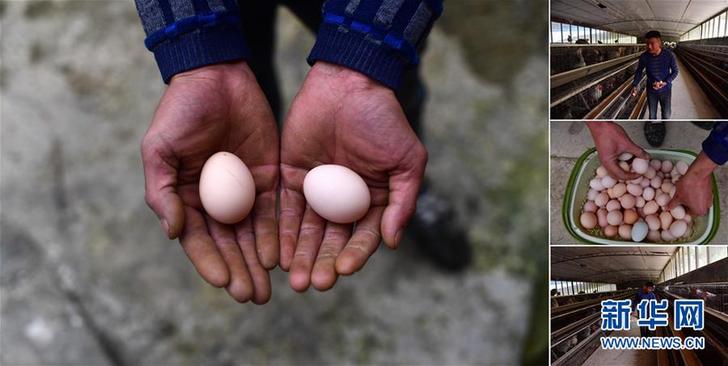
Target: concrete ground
<point>689,101</point>
<point>627,357</point>
<point>569,139</point>
<point>87,277</point>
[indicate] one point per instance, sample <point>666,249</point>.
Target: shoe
<point>704,125</point>
<point>436,231</point>
<point>655,133</point>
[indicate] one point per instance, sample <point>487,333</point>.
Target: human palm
<point>342,117</point>
<point>203,111</point>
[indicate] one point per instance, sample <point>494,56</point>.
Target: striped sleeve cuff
<point>187,34</point>
<point>377,38</point>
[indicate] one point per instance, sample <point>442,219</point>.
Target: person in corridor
<point>660,66</point>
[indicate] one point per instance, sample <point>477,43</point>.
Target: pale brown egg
<point>337,193</point>
<point>227,189</point>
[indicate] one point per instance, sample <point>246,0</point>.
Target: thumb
<point>638,152</point>
<point>675,201</point>
<point>615,171</point>
<point>160,178</point>
<point>403,190</point>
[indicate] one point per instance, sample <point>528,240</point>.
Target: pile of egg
<point>637,209</point>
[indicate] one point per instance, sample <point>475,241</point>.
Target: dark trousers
<point>259,19</point>
<point>664,99</point>
<point>646,332</point>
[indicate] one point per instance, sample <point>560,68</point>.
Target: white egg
<point>665,220</point>
<point>619,189</point>
<point>639,231</point>
<point>682,167</point>
<point>656,182</point>
<point>601,171</point>
<point>648,193</point>
<point>652,222</point>
<point>640,202</point>
<point>655,164</point>
<point>666,166</point>
<point>650,208</point>
<point>613,205</point>
<point>614,217</point>
<point>592,194</point>
<point>590,206</point>
<point>625,156</point>
<point>596,183</point>
<point>624,165</point>
<point>601,199</point>
<point>640,165</point>
<point>665,235</point>
<point>634,189</point>
<point>662,199</point>
<point>336,193</point>
<point>678,212</point>
<point>608,182</point>
<point>627,201</point>
<point>678,228</point>
<point>602,217</point>
<point>226,188</point>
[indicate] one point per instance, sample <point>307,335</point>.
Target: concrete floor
<point>569,139</point>
<point>689,101</point>
<point>602,357</point>
<point>87,277</point>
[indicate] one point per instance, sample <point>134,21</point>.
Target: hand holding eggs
<point>227,191</point>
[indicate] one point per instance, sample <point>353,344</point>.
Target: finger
<point>362,245</point>
<point>160,180</point>
<point>266,229</point>
<point>403,190</point>
<point>615,171</point>
<point>260,276</point>
<point>675,201</point>
<point>309,240</point>
<point>323,276</point>
<point>201,249</point>
<point>638,152</point>
<point>240,286</point>
<point>292,208</point>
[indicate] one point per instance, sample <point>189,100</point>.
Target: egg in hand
<point>227,189</point>
<point>336,193</point>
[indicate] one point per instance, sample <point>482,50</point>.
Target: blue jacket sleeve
<point>716,145</point>
<point>673,69</point>
<point>638,72</point>
<point>378,38</point>
<point>186,34</point>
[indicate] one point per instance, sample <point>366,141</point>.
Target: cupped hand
<point>203,111</point>
<point>343,117</point>
<point>611,141</point>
